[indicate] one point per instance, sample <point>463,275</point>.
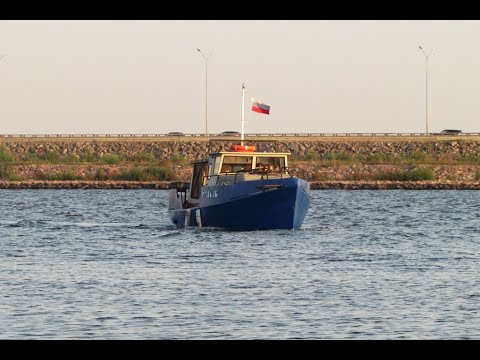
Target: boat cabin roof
<point>243,154</point>
<point>246,153</point>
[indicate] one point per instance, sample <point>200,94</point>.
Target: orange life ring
<point>242,148</point>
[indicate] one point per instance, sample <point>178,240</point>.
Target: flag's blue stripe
<point>262,106</point>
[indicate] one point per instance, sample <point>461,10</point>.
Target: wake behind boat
<point>241,189</point>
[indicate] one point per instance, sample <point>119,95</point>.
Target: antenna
<point>243,113</point>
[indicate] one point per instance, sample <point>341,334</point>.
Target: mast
<point>243,112</point>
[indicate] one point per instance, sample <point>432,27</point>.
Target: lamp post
<point>426,86</point>
<point>206,86</point>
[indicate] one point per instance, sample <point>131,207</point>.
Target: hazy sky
<point>318,76</point>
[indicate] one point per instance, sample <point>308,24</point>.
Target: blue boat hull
<point>249,205</point>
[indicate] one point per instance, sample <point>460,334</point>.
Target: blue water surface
<point>108,264</point>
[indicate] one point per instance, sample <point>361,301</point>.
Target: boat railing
<point>239,175</point>
<point>182,189</point>
<point>179,185</point>
<point>265,174</point>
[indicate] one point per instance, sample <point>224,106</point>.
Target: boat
<point>241,188</point>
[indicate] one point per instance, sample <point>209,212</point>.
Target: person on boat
<point>262,167</point>
<point>246,168</point>
<point>226,168</point>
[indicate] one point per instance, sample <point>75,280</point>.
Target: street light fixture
<point>426,85</point>
<point>206,86</point>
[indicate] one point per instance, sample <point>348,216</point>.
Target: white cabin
<point>226,167</point>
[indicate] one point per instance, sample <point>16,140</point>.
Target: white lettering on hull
<point>209,194</point>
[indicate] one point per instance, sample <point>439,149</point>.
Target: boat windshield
<point>236,163</point>
<point>273,163</point>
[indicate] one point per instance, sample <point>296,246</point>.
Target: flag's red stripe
<point>260,110</point>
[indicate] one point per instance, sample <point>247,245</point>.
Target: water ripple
<point>366,265</point>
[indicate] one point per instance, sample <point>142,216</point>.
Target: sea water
<point>108,264</point>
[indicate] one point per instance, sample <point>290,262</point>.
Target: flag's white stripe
<point>258,102</point>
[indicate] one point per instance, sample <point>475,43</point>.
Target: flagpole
<point>243,112</point>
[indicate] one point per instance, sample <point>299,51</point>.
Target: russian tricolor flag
<point>260,107</point>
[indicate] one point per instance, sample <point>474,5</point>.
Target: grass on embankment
<point>6,163</point>
<point>477,175</point>
<point>416,158</point>
<point>420,174</point>
<point>145,167</point>
<point>90,158</point>
<point>138,167</point>
<point>386,167</point>
<point>416,174</point>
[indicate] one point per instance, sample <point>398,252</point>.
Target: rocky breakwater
<point>356,172</point>
<point>32,160</point>
<point>197,148</point>
<point>79,184</point>
<point>395,185</point>
<point>315,185</point>
<point>356,148</point>
<point>82,149</point>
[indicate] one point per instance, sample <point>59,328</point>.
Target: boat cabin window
<point>273,164</point>
<point>198,178</point>
<point>213,165</point>
<point>233,164</point>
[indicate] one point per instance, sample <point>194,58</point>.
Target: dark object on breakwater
<point>450,132</point>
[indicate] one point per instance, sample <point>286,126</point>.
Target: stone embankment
<point>315,185</point>
<point>194,149</point>
<point>395,185</point>
<point>78,184</point>
<point>333,176</point>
